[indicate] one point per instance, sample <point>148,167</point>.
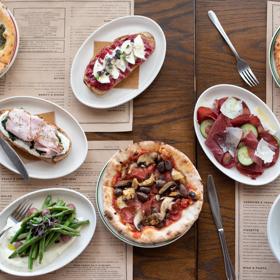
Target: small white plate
<point>40,169</point>
<point>100,207</point>
<point>273,228</point>
<point>85,210</point>
<point>109,32</point>
<point>257,107</point>
<point>6,69</point>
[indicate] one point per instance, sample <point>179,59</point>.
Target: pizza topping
<point>142,196</point>
<point>123,184</point>
<point>128,193</point>
<point>184,192</point>
<point>118,192</point>
<point>177,175</point>
<point>147,159</point>
<point>2,37</point>
<point>138,219</point>
<point>120,202</point>
<point>148,182</point>
<point>166,186</point>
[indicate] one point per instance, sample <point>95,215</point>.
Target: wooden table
<point>196,59</point>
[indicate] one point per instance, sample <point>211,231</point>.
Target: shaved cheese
<point>120,63</point>
<point>98,67</point>
<point>138,47</point>
<point>126,47</point>
<point>130,58</point>
<point>233,137</point>
<point>232,108</point>
<point>264,151</point>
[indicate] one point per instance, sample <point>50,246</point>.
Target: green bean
<point>77,224</point>
<point>35,251</point>
<point>65,232</point>
<point>65,212</point>
<point>47,201</point>
<point>58,208</point>
<point>22,236</point>
<point>41,249</point>
<point>24,246</point>
<point>67,228</point>
<point>30,259</point>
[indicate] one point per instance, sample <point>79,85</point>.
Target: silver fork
<point>243,67</point>
<point>17,215</point>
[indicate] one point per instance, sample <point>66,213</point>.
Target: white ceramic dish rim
<point>6,69</point>
<point>112,229</point>
<point>67,113</point>
<point>268,227</point>
<point>92,35</point>
<point>271,61</point>
<point>209,154</point>
<point>48,190</point>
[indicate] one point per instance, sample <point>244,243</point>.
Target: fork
<point>243,67</point>
<point>16,216</point>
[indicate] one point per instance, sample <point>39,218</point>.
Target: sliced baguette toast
<point>148,37</point>
<point>54,159</point>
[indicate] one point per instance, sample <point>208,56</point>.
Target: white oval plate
<point>40,169</point>
<point>109,32</point>
<point>85,210</point>
<point>273,228</point>
<point>100,207</point>
<point>256,106</point>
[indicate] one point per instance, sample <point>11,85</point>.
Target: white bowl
<point>273,228</point>
<point>257,106</point>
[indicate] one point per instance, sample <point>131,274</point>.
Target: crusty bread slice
<point>148,37</point>
<point>49,160</point>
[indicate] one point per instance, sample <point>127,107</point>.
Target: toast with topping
<point>117,61</point>
<point>34,135</point>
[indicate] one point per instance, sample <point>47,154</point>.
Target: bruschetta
<point>117,61</point>
<point>34,135</point>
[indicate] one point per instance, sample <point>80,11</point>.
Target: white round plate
<point>257,107</point>
<point>40,169</point>
<point>85,210</point>
<point>273,228</point>
<point>108,33</point>
<point>6,69</point>
<point>100,207</point>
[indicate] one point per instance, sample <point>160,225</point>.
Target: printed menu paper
<point>50,35</point>
<point>253,257</point>
<point>106,257</point>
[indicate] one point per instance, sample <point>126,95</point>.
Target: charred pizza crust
<point>49,160</point>
<point>150,234</point>
<point>146,36</point>
<point>7,37</point>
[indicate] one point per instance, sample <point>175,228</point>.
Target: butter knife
<point>14,158</point>
<point>215,208</point>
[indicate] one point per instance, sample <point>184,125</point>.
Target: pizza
<point>117,61</point>
<point>8,38</point>
<point>152,192</point>
<point>277,54</point>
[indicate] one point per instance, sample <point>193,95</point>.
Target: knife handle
<point>228,264</point>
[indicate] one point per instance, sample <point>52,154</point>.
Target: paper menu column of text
<point>106,257</point>
<point>50,35</point>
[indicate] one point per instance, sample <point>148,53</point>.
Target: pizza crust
<point>7,53</point>
<point>149,234</point>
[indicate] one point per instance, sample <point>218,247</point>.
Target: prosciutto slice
<point>217,137</point>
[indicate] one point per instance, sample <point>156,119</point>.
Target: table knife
<point>215,208</point>
<point>14,158</point>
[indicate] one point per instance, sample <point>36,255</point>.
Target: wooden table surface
<point>196,59</point>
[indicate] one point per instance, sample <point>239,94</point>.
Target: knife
<point>215,208</point>
<point>14,158</point>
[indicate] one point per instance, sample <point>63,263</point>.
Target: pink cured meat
<point>250,140</point>
<point>216,137</point>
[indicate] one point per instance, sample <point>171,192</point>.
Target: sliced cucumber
<point>243,156</point>
<point>205,127</point>
<point>247,128</point>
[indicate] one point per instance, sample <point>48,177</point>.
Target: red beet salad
<point>236,137</point>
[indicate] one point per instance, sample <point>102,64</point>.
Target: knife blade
<point>214,202</point>
<point>14,158</point>
<point>215,208</point>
